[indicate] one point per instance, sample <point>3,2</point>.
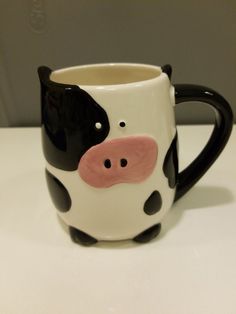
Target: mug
<point>111,147</point>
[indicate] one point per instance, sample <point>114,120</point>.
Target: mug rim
<point>155,74</point>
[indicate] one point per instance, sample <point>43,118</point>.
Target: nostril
<point>107,163</point>
<point>123,162</point>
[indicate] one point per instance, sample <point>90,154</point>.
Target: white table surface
<point>189,268</point>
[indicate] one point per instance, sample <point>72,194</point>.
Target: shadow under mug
<point>111,148</point>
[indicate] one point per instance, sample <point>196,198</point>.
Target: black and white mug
<point>110,143</point>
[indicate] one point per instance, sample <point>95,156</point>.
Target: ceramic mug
<point>110,143</point>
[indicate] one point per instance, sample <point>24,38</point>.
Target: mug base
<point>81,237</point>
<point>85,239</point>
<point>148,234</point>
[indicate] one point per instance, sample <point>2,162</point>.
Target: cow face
<point>94,143</point>
<point>74,132</point>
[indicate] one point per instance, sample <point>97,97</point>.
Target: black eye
<point>122,124</point>
<point>98,126</point>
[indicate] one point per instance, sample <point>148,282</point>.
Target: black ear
<point>44,74</point>
<point>167,69</point>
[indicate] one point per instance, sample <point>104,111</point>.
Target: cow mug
<point>110,142</point>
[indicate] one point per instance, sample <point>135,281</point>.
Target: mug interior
<point>105,74</point>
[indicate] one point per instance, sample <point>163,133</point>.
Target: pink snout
<point>122,160</point>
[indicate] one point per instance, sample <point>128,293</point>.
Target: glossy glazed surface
<point>121,207</point>
<point>79,121</point>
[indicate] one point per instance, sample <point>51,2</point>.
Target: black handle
<point>218,139</point>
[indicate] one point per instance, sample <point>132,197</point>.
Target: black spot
<point>170,166</point>
<point>148,234</point>
<point>81,237</point>
<point>153,203</point>
<point>69,115</point>
<point>59,194</point>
